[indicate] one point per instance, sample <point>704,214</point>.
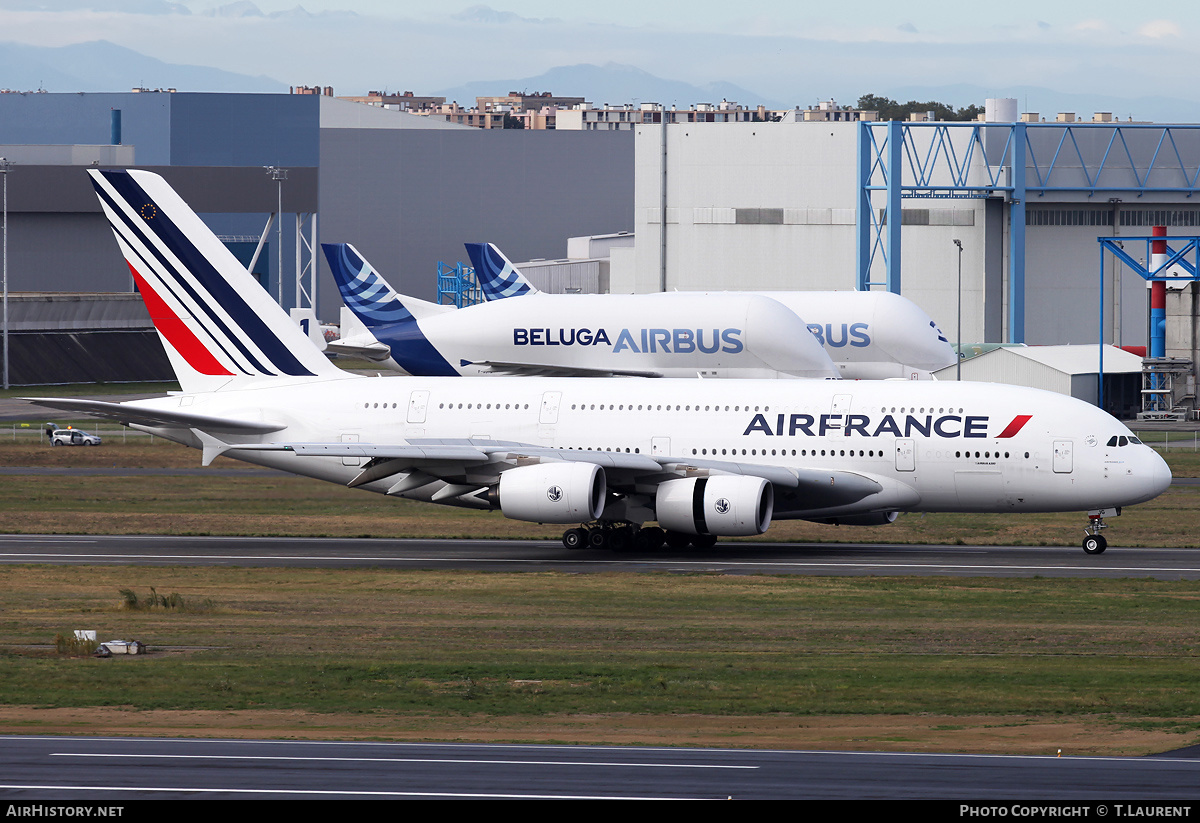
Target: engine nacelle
<point>724,505</point>
<point>553,492</point>
<point>870,519</point>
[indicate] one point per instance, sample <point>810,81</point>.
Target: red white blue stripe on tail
<point>216,323</point>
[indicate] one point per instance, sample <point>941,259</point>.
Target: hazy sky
<point>792,51</point>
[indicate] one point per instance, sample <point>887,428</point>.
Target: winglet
<point>496,275</point>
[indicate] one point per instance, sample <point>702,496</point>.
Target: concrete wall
<point>801,179</point>
<point>245,130</point>
<point>86,118</point>
<point>408,198</point>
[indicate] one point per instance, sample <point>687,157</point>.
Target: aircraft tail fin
<point>496,275</point>
<point>218,326</point>
<point>368,295</point>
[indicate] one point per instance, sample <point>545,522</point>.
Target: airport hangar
<point>747,205</point>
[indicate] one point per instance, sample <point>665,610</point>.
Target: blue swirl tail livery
<point>218,326</point>
<point>394,336</point>
<point>681,335</point>
<point>368,295</point>
<point>498,278</point>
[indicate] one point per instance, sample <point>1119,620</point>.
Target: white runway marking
<point>458,761</point>
<point>24,557</point>
<point>336,793</point>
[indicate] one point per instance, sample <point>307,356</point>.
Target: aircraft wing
<point>126,413</point>
<point>550,370</point>
<point>474,463</point>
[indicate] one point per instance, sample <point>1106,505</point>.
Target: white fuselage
<point>668,335</point>
<point>871,335</point>
<point>932,446</point>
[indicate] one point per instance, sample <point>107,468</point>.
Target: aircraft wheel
<point>1094,544</point>
<point>575,538</point>
<point>650,539</point>
<point>620,539</point>
<point>704,541</point>
<point>597,538</point>
<point>678,540</point>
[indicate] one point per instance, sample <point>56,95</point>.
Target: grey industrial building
<point>407,191</point>
<point>710,206</point>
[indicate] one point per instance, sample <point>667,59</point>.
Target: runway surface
<point>110,770</point>
<point>534,556</point>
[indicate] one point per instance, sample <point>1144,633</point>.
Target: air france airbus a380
<point>703,458</point>
<point>869,335</point>
<point>661,335</point>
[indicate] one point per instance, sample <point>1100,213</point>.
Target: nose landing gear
<point>1094,542</point>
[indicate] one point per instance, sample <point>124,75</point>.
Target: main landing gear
<point>1094,542</point>
<point>623,537</point>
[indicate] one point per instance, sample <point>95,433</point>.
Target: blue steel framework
<point>458,283</point>
<point>976,160</point>
<point>1176,258</point>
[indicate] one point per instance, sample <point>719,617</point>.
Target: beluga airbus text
<point>869,335</point>
<point>703,458</point>
<point>666,335</point>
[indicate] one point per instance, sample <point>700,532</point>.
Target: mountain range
<point>102,66</point>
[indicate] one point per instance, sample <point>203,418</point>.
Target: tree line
<point>889,109</point>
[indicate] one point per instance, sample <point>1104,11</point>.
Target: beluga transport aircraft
<point>869,335</point>
<point>703,458</point>
<point>662,335</point>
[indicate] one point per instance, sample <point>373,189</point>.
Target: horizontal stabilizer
<point>127,413</point>
<point>375,352</point>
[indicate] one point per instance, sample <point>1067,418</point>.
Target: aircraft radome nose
<point>1159,475</point>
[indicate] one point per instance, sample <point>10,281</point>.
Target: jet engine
<point>725,505</point>
<point>553,492</point>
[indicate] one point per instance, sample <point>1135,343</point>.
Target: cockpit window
<point>1122,440</point>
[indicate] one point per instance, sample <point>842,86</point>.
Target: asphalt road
<point>110,770</point>
<point>539,556</point>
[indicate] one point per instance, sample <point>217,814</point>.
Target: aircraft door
<point>1063,461</point>
<point>841,406</point>
<point>418,402</point>
<point>550,401</point>
<point>660,446</point>
<point>906,455</point>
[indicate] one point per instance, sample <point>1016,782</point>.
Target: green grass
<point>258,503</point>
<point>530,644</point>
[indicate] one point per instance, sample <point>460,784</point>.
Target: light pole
<point>278,175</point>
<point>5,165</point>
<point>958,359</point>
